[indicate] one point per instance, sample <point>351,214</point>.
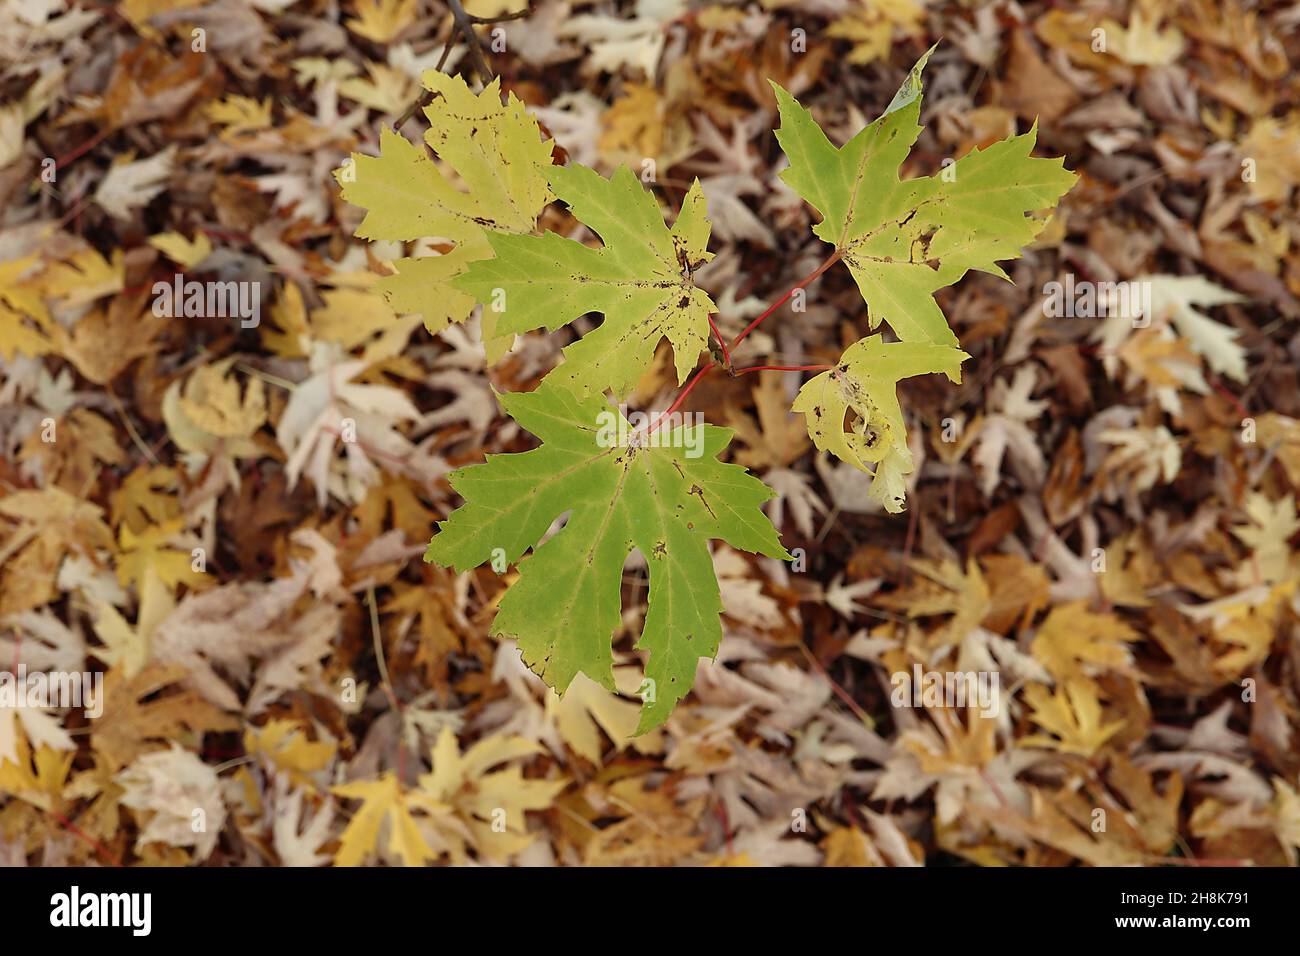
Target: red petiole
<point>681,396</point>
<point>813,276</point>
<point>726,352</point>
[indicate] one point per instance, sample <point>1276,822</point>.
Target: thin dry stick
<point>384,680</point>
<point>100,850</point>
<point>839,691</point>
<point>464,23</point>
<point>130,426</point>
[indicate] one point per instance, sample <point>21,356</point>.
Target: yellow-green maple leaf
<point>641,279</point>
<point>865,381</point>
<point>499,157</point>
<point>903,240</point>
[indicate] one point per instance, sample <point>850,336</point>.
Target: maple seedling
<point>901,240</point>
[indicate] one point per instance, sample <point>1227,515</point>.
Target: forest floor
<point>1101,515</point>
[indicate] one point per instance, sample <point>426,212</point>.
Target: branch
<point>503,18</point>
<point>463,23</point>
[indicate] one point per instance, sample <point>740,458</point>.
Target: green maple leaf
<point>666,498</point>
<point>903,240</point>
<point>640,280</point>
<point>865,381</point>
<point>500,158</point>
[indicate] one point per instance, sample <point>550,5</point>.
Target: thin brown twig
<point>473,42</point>
<point>836,689</point>
<point>100,850</point>
<point>387,684</point>
<point>463,23</point>
<point>502,18</point>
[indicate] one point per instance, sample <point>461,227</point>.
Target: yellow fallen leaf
<point>187,253</point>
<point>382,800</point>
<point>239,114</point>
<point>382,20</point>
<point>1074,642</point>
<point>1073,713</point>
<point>1142,43</point>
<point>286,744</point>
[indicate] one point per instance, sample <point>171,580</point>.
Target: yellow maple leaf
<point>359,315</point>
<point>462,803</point>
<point>382,801</point>
<point>211,401</point>
<point>186,253</point>
<point>146,496</point>
<point>586,706</point>
<point>386,90</point>
<point>382,20</point>
<point>1247,620</point>
<point>848,846</point>
<point>487,804</point>
<point>239,114</point>
<point>643,125</point>
<point>85,277</point>
<point>106,340</point>
<point>1073,714</point>
<point>395,503</point>
<point>128,647</point>
<point>36,778</point>
<point>287,333</point>
<point>873,26</point>
<point>1142,43</point>
<point>24,321</point>
<point>496,151</point>
<point>225,421</point>
<point>1273,147</point>
<point>153,550</point>
<point>1074,642</point>
<point>286,745</point>
<point>1267,533</point>
<point>50,524</point>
